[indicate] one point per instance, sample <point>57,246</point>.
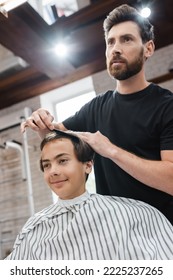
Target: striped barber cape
<point>95,227</point>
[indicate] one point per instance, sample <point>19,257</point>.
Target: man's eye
<point>127,39</point>
<point>110,42</point>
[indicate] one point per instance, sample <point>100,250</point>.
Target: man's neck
<point>132,85</point>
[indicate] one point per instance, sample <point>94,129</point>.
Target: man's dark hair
<point>127,13</point>
<point>82,150</point>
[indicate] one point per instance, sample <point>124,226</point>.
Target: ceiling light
<point>61,50</point>
<point>145,12</point>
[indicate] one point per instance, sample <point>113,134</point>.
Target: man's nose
<point>117,48</point>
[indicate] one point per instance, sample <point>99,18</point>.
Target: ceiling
<point>26,35</point>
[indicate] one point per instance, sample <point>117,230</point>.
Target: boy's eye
<point>45,166</point>
<point>63,161</point>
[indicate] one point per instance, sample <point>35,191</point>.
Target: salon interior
<point>52,55</point>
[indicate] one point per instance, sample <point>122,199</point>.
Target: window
<point>67,108</point>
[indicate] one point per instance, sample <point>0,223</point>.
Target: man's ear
<point>149,49</point>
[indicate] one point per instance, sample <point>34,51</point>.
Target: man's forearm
<point>155,174</point>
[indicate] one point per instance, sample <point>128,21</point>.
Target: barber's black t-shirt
<point>141,123</point>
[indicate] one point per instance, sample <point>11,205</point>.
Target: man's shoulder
<point>105,97</point>
<point>107,94</point>
<point>162,91</point>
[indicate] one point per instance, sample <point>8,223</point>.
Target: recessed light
<point>61,50</point>
<point>145,12</point>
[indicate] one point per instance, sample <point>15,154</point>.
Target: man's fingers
<point>28,123</point>
<point>23,127</point>
<point>39,120</point>
<point>42,119</point>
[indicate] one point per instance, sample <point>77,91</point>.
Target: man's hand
<point>40,120</point>
<point>100,143</point>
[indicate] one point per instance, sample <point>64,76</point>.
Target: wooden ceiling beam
<point>23,41</point>
<point>19,78</point>
<point>30,91</point>
<point>163,78</point>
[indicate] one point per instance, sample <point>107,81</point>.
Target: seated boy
<point>83,226</point>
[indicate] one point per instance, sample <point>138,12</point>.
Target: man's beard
<point>120,72</point>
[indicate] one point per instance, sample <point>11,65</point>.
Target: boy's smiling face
<point>63,172</point>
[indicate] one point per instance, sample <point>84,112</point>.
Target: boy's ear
<point>88,166</point>
<point>149,49</point>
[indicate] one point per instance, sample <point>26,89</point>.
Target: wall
<point>14,209</point>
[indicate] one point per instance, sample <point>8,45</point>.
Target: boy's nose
<point>55,170</point>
